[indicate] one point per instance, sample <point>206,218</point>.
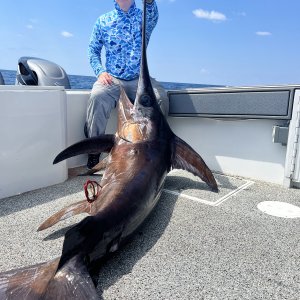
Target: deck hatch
<point>230,103</point>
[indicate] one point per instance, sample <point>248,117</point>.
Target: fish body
<point>140,155</point>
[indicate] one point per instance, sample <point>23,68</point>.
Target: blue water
<point>86,82</point>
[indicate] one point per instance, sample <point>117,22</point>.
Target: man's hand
<point>105,78</point>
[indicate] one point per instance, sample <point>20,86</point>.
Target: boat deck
<point>195,245</point>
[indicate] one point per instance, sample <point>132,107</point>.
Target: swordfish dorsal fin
<point>186,158</point>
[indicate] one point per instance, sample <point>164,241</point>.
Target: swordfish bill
<point>140,155</point>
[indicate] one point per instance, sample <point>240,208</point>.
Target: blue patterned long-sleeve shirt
<point>120,33</point>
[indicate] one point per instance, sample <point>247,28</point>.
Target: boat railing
<point>251,132</point>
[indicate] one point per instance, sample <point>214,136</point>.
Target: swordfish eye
<point>146,100</point>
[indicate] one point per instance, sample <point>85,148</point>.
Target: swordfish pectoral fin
<point>186,158</point>
<point>101,143</point>
<point>65,213</point>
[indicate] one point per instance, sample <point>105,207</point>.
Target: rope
<point>92,190</point>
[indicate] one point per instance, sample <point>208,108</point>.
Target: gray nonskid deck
<point>195,245</point>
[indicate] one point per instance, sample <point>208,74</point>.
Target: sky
<point>226,42</point>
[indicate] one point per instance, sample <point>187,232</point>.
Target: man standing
<point>120,33</point>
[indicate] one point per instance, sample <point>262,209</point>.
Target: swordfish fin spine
<point>101,143</point>
<point>65,213</point>
<point>186,158</point>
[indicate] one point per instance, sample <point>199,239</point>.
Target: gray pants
<point>105,97</point>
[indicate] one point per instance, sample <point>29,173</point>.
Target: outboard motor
<point>1,79</point>
<point>42,72</point>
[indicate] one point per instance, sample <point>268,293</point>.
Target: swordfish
<point>141,153</point>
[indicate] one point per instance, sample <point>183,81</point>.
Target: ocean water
<point>86,82</point>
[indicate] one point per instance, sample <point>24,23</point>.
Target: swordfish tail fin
<point>72,282</point>
<point>186,158</point>
<point>44,282</point>
<point>27,283</point>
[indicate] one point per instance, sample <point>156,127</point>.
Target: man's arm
<point>94,50</point>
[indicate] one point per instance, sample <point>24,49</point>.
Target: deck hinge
<point>280,134</point>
